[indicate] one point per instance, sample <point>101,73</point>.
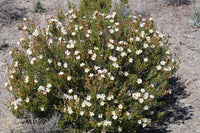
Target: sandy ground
<point>183,113</point>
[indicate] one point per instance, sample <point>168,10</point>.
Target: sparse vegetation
<point>38,6</point>
<point>196,15</point>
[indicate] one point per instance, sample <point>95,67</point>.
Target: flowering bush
<point>101,72</point>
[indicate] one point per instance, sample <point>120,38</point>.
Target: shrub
<point>196,15</point>
<point>101,72</point>
<point>38,7</point>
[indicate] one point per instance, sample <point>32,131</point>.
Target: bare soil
<point>183,108</point>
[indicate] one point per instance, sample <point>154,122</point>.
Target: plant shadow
<point>178,2</point>
<point>175,113</point>
<point>4,46</point>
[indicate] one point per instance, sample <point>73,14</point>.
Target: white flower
<point>61,73</point>
<point>150,31</point>
<point>145,45</point>
<point>153,46</point>
<point>123,54</point>
<point>35,81</point>
<point>67,53</point>
<point>115,65</point>
<point>42,108</point>
<point>111,31</point>
<point>126,74</point>
<point>78,57</point>
<point>148,38</point>
<point>91,75</point>
<point>32,60</point>
<point>49,61</point>
<point>100,116</point>
<point>26,79</point>
<point>139,81</point>
<point>152,96</point>
<point>35,33</point>
<point>162,63</point>
<point>137,39</point>
<point>116,29</point>
<point>27,99</point>
<point>111,46</point>
<point>41,88</point>
<point>144,124</point>
<point>146,107</point>
<point>48,89</point>
<point>81,113</point>
<point>151,112</point>
<point>89,31</point>
<point>69,78</point>
<point>112,78</point>
<point>28,51</point>
<point>114,117</point>
<point>88,104</point>
<point>65,65</point>
<point>89,51</point>
<point>70,111</point>
<point>96,67</point>
<point>94,56</point>
<point>168,52</point>
<point>111,40</point>
<point>145,59</point>
<point>83,104</point>
<point>59,64</point>
<point>129,50</point>
<point>49,85</point>
<point>70,91</point>
<point>47,68</point>
<point>120,106</point>
<point>113,113</point>
<point>87,35</point>
<point>102,96</point>
<point>116,23</point>
<point>142,90</point>
<point>73,33</point>
<point>86,70</point>
<point>15,107</point>
<point>131,39</point>
<point>102,103</point>
<point>82,64</point>
<point>88,98</point>
<point>16,64</point>
<point>158,67</point>
<point>130,60</point>
<point>119,129</point>
<point>138,51</point>
<point>98,96</point>
<point>142,24</point>
<point>141,100</point>
<point>98,124</point>
<point>111,21</point>
<point>91,114</point>
<point>139,122</point>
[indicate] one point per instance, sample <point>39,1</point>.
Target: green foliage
<point>93,5</point>
<point>38,7</point>
<point>101,72</point>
